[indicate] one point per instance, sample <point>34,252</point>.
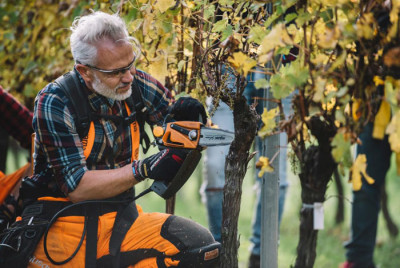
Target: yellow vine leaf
<point>378,81</point>
<point>356,111</point>
<point>319,59</point>
<point>394,17</point>
<point>277,37</point>
<point>328,38</point>
<point>242,63</point>
<point>393,129</point>
<point>164,5</point>
<point>147,23</point>
<point>265,166</point>
<point>365,26</point>
<point>360,168</point>
<point>382,119</point>
<point>269,123</point>
<point>319,89</point>
<point>398,163</point>
<point>158,66</point>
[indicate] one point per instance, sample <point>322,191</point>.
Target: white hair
<point>88,30</point>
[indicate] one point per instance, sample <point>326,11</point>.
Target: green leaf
<point>167,26</point>
<point>271,19</point>
<point>340,116</point>
<point>283,50</point>
<point>132,14</point>
<point>226,2</point>
<point>327,16</point>
<point>227,32</point>
<point>261,83</point>
<point>29,90</point>
<point>303,18</point>
<point>288,78</point>
<point>13,17</point>
<point>342,91</point>
<point>339,61</point>
<point>256,34</point>
<point>135,25</point>
<point>219,26</point>
<point>341,147</point>
<point>290,17</point>
<point>170,40</point>
<point>181,64</point>
<point>29,67</point>
<point>279,88</point>
<point>209,11</point>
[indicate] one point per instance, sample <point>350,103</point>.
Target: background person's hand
<point>188,109</point>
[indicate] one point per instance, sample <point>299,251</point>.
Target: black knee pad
<point>196,244</point>
<point>207,256</point>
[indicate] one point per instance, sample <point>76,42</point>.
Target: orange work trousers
<point>65,234</point>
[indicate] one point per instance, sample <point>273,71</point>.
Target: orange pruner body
<point>179,134</point>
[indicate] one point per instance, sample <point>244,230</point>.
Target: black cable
<point>57,215</point>
<point>148,190</point>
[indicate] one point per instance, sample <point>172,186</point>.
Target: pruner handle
<point>188,166</point>
<point>178,134</point>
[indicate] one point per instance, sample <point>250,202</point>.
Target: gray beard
<point>108,92</point>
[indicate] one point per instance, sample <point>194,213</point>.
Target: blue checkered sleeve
<point>58,140</point>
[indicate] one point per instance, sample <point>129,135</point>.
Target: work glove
<point>188,109</point>
<point>162,166</point>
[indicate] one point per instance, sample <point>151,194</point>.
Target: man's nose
<point>127,77</point>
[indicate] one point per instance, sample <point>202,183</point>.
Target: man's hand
<point>162,166</point>
<point>188,109</point>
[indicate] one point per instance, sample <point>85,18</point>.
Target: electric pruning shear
<point>189,135</point>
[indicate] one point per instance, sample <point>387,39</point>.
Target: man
<point>16,120</point>
<point>67,172</point>
<point>375,146</point>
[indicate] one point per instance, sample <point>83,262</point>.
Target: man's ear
<point>84,71</point>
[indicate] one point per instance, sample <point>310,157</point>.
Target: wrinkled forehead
<point>111,55</point>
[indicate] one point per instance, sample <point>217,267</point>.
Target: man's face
<point>117,93</point>
<point>112,75</point>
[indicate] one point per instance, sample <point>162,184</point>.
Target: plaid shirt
<point>16,119</point>
<point>59,162</point>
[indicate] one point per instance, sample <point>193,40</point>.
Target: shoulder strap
<point>75,92</point>
<point>136,101</point>
<point>73,89</point>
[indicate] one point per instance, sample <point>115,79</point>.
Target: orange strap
<point>135,136</point>
<point>50,198</point>
<point>88,141</point>
<point>8,182</point>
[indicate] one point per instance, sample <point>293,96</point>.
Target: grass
<point>330,251</point>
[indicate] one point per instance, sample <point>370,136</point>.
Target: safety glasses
<point>114,72</point>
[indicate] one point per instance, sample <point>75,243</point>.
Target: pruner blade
<point>191,135</point>
<point>215,137</point>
